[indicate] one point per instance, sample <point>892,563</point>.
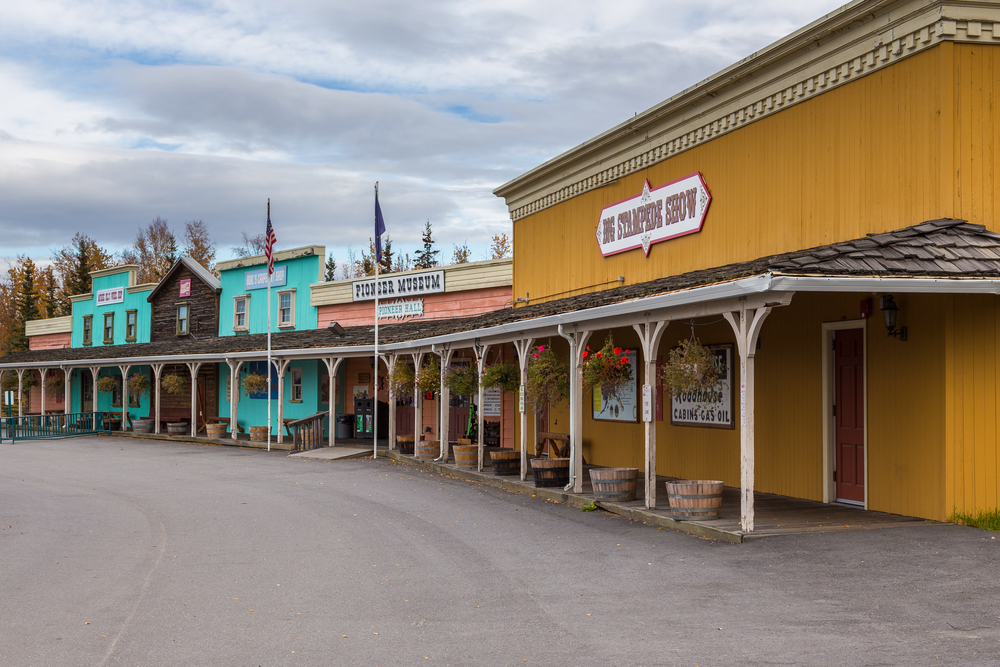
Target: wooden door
<point>404,416</point>
<point>458,417</point>
<point>86,391</point>
<point>849,364</point>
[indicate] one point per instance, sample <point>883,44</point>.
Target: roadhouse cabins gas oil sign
<point>671,210</point>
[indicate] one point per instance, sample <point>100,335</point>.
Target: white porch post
<point>42,374</point>
<point>481,352</point>
<point>124,370</point>
<point>280,366</point>
<point>157,372</point>
<point>577,342</point>
<point>650,334</point>
<point>20,392</point>
<point>391,366</point>
<point>521,347</point>
<point>234,395</point>
<point>94,370</point>
<point>418,405</point>
<point>746,325</point>
<point>193,368</point>
<point>332,364</point>
<point>444,397</point>
<point>67,394</point>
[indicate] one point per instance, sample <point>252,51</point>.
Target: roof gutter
<point>892,284</point>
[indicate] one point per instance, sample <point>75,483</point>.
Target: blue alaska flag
<point>379,229</point>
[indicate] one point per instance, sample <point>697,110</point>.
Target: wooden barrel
<point>550,472</point>
<point>506,462</point>
<point>695,498</point>
<point>143,426</point>
<point>404,443</point>
<point>258,434</point>
<point>466,455</point>
<point>216,430</point>
<point>177,428</point>
<point>614,483</point>
<point>464,441</point>
<point>428,450</point>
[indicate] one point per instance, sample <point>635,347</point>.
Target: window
<point>183,318</point>
<point>296,396</point>
<point>116,393</point>
<point>130,322</point>
<point>88,329</point>
<point>241,306</point>
<point>286,309</point>
<point>324,389</point>
<point>109,328</point>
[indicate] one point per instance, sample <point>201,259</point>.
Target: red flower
<point>536,356</point>
<point>599,354</point>
<point>541,348</point>
<point>626,351</point>
<point>624,361</point>
<point>618,350</point>
<point>585,354</point>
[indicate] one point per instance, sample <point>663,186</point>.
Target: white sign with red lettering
<point>108,296</point>
<point>671,210</point>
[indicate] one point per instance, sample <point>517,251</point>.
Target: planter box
<point>428,450</point>
<point>466,456</point>
<point>258,434</point>
<point>695,499</point>
<point>177,428</point>
<point>506,462</point>
<point>614,483</point>
<point>216,430</point>
<point>550,472</point>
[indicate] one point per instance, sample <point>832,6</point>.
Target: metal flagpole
<point>268,258</point>
<point>375,385</point>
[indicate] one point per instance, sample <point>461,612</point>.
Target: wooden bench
<point>558,444</point>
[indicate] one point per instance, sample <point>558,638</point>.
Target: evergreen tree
<point>27,304</point>
<point>47,292</point>
<point>331,268</point>
<point>427,257</point>
<point>385,266</point>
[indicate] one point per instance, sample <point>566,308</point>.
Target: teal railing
<point>40,427</point>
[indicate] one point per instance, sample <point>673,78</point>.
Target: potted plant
<point>463,379</point>
<point>429,375</point>
<point>607,370</point>
<point>54,383</point>
<point>548,384</point>
<point>255,383</point>
<point>107,384</point>
<point>690,368</point>
<point>172,384</point>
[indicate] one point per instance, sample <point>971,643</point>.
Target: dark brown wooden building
<point>183,306</point>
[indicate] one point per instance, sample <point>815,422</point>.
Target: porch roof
<point>937,255</point>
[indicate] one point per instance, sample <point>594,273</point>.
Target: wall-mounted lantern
<point>889,311</point>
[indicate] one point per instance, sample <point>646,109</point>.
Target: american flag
<point>269,240</point>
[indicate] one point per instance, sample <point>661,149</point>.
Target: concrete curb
<point>514,484</point>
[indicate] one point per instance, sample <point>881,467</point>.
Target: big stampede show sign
<point>671,210</point>
<point>413,284</point>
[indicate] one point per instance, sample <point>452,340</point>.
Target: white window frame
<point>290,324</point>
<point>246,312</point>
<point>293,385</point>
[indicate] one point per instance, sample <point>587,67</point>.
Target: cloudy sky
<point>114,113</point>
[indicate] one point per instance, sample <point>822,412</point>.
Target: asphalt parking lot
<point>132,552</point>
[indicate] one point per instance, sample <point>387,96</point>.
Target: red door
<point>404,416</point>
<point>849,362</point>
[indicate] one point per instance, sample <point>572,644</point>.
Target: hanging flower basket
<point>462,379</point>
<point>429,375</point>
<point>172,384</point>
<point>54,383</point>
<point>138,386</point>
<point>548,378</point>
<point>502,375</point>
<point>255,383</point>
<point>690,368</point>
<point>401,380</point>
<point>107,384</point>
<point>608,369</point>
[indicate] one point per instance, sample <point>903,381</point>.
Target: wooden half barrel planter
<point>550,472</point>
<point>428,450</point>
<point>143,425</point>
<point>506,462</point>
<point>258,434</point>
<point>216,430</point>
<point>466,454</point>
<point>695,499</point>
<point>404,443</point>
<point>614,483</point>
<point>177,428</point>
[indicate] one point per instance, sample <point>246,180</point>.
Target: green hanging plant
<point>548,378</point>
<point>462,379</point>
<point>138,386</point>
<point>172,384</point>
<point>503,375</point>
<point>255,383</point>
<point>608,369</point>
<point>54,383</point>
<point>107,384</point>
<point>690,368</point>
<point>429,375</point>
<point>401,379</point>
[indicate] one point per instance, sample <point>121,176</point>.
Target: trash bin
<point>345,426</point>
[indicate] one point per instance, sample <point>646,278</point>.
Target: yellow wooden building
<point>876,118</point>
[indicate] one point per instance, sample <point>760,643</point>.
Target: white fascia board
<point>542,326</point>
<point>875,284</point>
